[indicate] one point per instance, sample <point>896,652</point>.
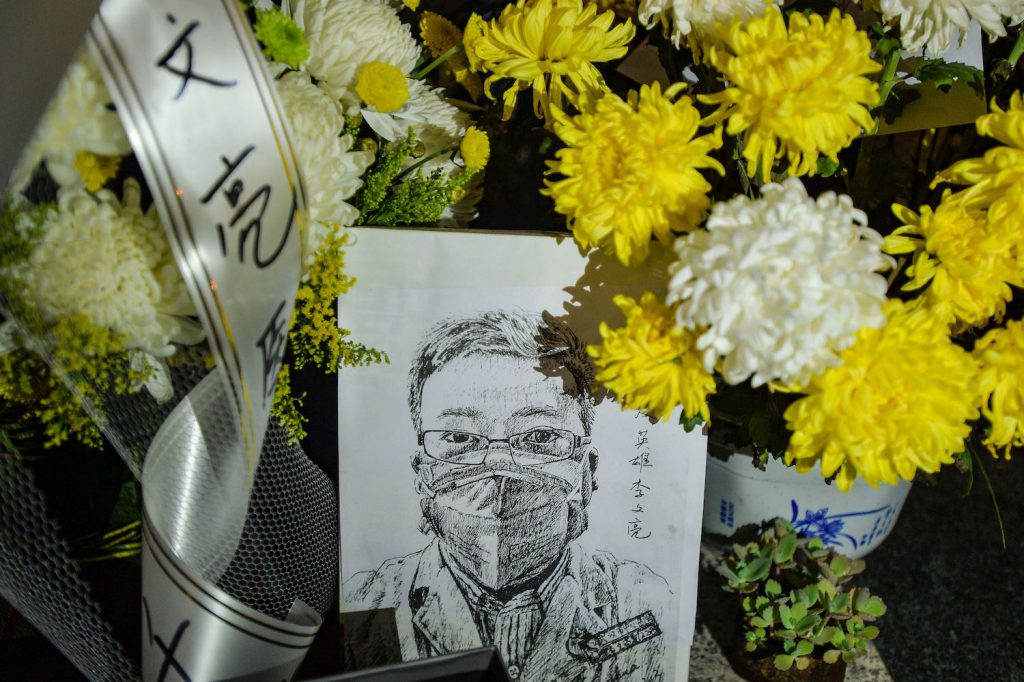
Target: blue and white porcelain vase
<point>854,522</point>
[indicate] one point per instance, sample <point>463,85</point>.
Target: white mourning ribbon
<point>210,135</point>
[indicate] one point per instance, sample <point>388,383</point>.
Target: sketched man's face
<point>506,464</point>
<point>494,410</point>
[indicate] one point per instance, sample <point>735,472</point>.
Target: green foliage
<point>795,598</point>
<point>287,407</point>
<point>378,179</point>
<point>943,74</point>
<point>314,333</point>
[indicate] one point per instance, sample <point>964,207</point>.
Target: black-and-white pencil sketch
<point>506,468</point>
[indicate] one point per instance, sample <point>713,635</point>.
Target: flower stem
<point>889,79</point>
<point>1017,51</point>
<point>437,62</point>
<point>446,150</point>
<point>991,491</point>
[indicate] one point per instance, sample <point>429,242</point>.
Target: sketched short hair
<point>540,338</point>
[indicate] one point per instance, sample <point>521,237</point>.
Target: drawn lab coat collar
<point>584,597</point>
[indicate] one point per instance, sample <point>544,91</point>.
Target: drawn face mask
<point>503,525</point>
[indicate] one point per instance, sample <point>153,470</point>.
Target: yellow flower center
<point>96,170</point>
<point>382,86</point>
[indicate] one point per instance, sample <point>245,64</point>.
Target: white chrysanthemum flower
<point>344,35</point>
<point>107,260</point>
<point>438,125</point>
<point>941,24</point>
<point>78,118</point>
<point>331,171</point>
<point>781,283</point>
<point>426,111</point>
<point>698,17</point>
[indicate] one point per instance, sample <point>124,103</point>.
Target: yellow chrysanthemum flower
<point>95,169</point>
<point>996,180</point>
<point>650,363</point>
<point>966,266</point>
<point>798,92</point>
<point>382,86</point>
<point>899,401</point>
<point>1001,384</point>
<point>549,46</point>
<point>440,35</point>
<point>475,148</point>
<point>632,170</point>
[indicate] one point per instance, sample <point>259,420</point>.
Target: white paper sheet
<point>643,521</point>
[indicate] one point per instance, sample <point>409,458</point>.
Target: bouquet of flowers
<point>837,296</point>
<point>85,260</point>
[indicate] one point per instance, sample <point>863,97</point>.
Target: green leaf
<point>756,571</point>
<point>785,549</point>
<point>943,74</point>
<point>689,423</point>
<point>803,648</point>
<point>772,588</point>
<point>784,662</point>
<point>759,622</point>
<point>827,167</point>
<point>785,617</point>
<point>839,604</point>
<point>873,607</point>
<point>831,656</point>
<point>839,565</point>
<point>802,663</point>
<point>869,632</point>
<point>808,595</point>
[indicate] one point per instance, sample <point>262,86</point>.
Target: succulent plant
<point>795,599</point>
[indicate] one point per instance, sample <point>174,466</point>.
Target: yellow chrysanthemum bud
<point>382,86</point>
<point>1001,384</point>
<point>651,364</point>
<point>900,400</point>
<point>96,170</point>
<point>475,148</point>
<point>441,36</point>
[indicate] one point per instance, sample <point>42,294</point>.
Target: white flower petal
<point>781,283</point>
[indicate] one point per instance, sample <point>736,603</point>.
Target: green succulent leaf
<point>831,656</point>
<point>785,549</point>
<point>784,662</point>
<point>803,648</point>
<point>785,617</point>
<point>772,588</point>
<point>869,632</point>
<point>756,571</point>
<point>839,603</point>
<point>808,595</point>
<point>758,621</point>
<point>839,565</point>
<point>802,663</point>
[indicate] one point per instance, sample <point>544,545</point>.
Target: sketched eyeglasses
<point>542,445</point>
